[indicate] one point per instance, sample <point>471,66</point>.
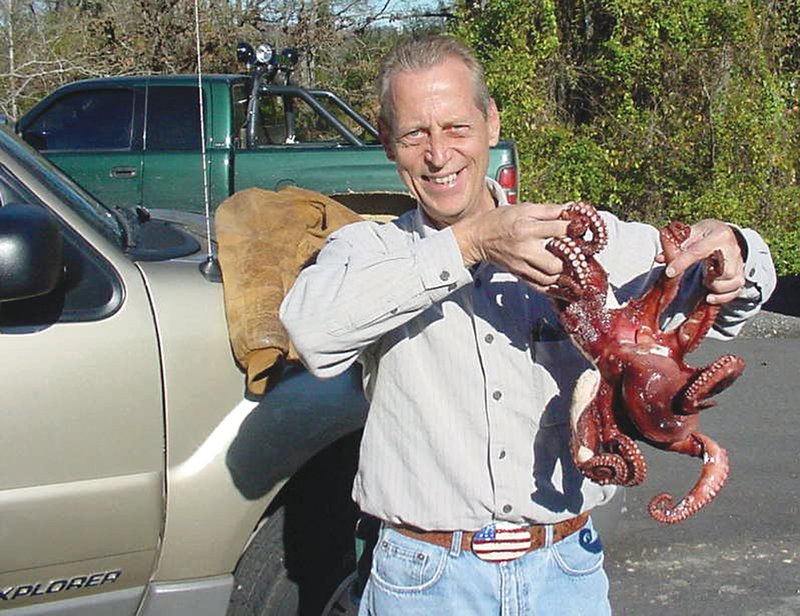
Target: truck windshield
<point>92,211</point>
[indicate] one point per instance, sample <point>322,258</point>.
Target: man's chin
<point>443,216</point>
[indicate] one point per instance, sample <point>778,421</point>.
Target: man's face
<point>440,140</point>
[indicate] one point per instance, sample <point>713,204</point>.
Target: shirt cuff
<point>441,265</point>
<point>759,272</point>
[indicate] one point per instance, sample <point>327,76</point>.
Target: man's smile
<point>448,180</point>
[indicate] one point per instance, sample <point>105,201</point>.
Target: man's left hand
<point>706,237</point>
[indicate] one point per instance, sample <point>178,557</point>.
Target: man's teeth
<point>448,179</point>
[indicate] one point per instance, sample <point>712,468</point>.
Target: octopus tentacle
<point>621,464</point>
<point>581,272</point>
<point>606,468</point>
<point>573,281</point>
<point>630,452</point>
<point>665,290</point>
<point>692,331</point>
<point>672,238</point>
<point>709,381</point>
<point>583,217</point>
<point>713,476</point>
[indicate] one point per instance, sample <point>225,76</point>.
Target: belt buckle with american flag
<point>501,541</point>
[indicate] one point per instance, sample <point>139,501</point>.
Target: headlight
<point>244,52</point>
<point>264,53</point>
<point>289,57</point>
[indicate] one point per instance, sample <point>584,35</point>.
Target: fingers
<point>535,277</point>
<point>725,286</point>
<point>706,238</point>
<point>543,211</point>
<point>720,297</point>
<point>514,238</point>
<point>526,228</point>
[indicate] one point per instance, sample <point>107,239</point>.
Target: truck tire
<point>305,548</point>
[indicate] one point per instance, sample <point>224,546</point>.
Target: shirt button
<point>445,275</point>
<point>497,394</point>
<point>489,338</point>
<point>507,508</point>
<point>502,454</point>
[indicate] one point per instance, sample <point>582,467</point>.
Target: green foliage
<point>652,108</point>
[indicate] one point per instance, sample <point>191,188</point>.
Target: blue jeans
<point>411,577</point>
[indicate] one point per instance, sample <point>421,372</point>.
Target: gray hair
<point>420,54</point>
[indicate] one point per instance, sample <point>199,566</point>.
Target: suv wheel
<point>296,563</point>
<point>344,601</point>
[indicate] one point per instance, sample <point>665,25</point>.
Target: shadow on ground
<point>786,298</point>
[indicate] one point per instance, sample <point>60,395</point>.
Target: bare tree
<point>339,41</point>
<point>53,53</point>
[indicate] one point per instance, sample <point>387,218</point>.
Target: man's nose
<point>438,151</point>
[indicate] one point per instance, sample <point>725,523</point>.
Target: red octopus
<point>642,388</point>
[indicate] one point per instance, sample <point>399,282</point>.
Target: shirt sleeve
<point>368,279</point>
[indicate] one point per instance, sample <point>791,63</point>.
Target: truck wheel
<point>304,551</point>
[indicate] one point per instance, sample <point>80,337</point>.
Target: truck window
<point>239,98</point>
<point>310,127</point>
<point>173,118</point>
<point>275,127</point>
<point>85,120</point>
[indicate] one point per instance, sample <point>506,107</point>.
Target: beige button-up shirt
<point>468,373</point>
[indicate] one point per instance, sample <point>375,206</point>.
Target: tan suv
<point>135,475</point>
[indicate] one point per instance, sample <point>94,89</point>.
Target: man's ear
<point>493,119</point>
<point>386,139</point>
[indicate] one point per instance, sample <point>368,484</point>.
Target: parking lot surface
<point>740,555</point>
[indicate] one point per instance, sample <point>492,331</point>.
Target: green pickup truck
<point>137,141</point>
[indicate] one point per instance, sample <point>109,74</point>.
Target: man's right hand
<point>513,237</point>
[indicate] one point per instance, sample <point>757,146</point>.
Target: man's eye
<point>412,137</point>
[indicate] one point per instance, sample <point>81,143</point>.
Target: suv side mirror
<point>31,252</point>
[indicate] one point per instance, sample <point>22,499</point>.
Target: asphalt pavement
<point>740,555</point>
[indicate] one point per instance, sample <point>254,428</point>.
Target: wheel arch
<point>213,510</point>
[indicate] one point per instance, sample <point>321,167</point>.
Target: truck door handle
<point>123,172</point>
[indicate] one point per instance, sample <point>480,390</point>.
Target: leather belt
<point>538,533</point>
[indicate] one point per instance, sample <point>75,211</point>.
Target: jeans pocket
<point>402,564</point>
<point>581,553</point>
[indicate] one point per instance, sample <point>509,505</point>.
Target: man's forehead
<point>432,95</point>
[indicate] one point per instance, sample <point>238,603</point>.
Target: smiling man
<point>465,454</point>
<point>439,136</point>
